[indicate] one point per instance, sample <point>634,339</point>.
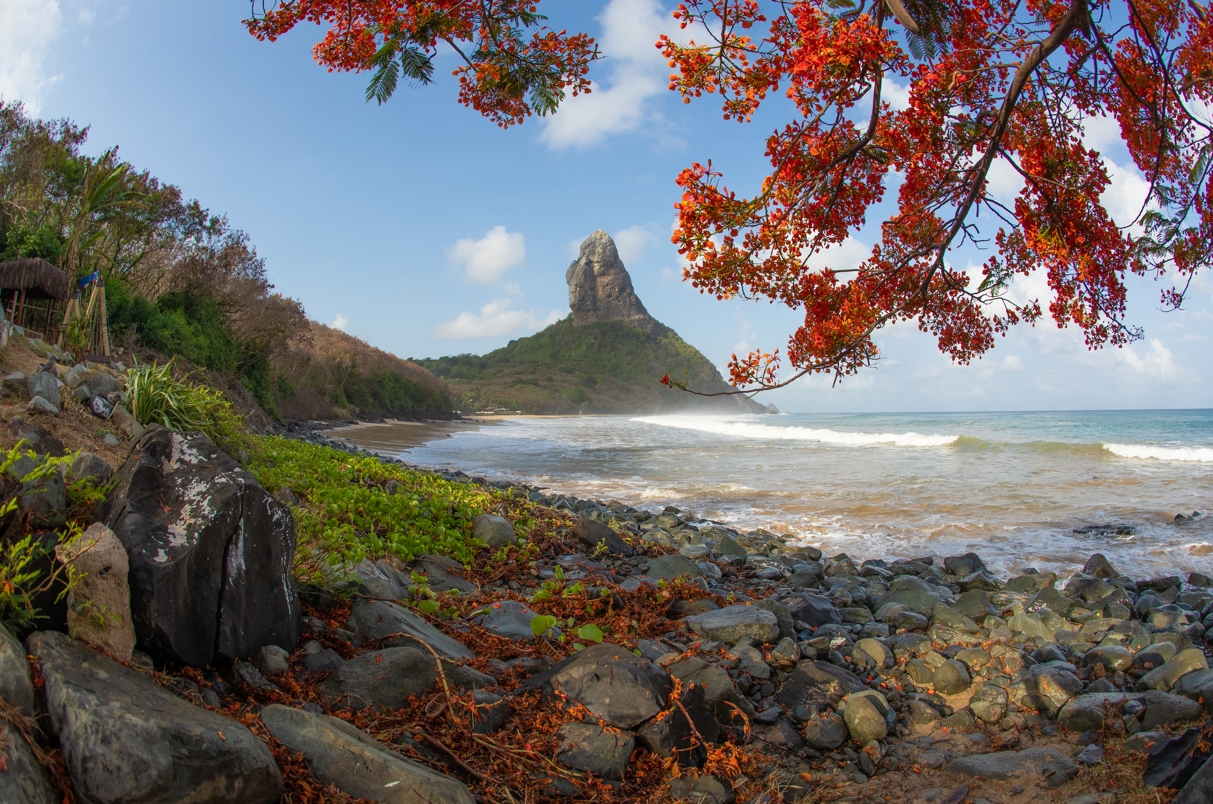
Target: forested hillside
<point>182,282</point>
<point>603,367</point>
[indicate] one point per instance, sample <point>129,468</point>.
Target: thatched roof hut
<point>37,277</point>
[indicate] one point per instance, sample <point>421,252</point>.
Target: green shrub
<point>346,514</point>
<point>157,397</point>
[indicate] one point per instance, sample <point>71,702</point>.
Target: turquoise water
<point>1011,486</point>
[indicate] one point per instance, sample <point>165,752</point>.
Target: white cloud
<point>486,260</point>
<point>841,257</point>
<point>1012,363</point>
<point>27,29</point>
<point>637,72</point>
<point>632,242</point>
<point>495,319</point>
<point>341,322</point>
<point>1157,363</point>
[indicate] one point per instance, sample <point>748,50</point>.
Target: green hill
<point>600,367</point>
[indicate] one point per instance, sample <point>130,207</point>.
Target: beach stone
<point>1049,599</point>
<point>489,711</point>
<point>825,732</point>
<point>44,385</point>
<point>1091,755</point>
<point>670,733</point>
<point>102,408</point>
<point>377,579</point>
<point>591,748</point>
<point>943,614</point>
<point>495,531</point>
<point>127,739</point>
<point>612,682</point>
<point>383,621</point>
<point>1165,709</point>
<point>705,789</point>
<point>442,574</point>
<point>946,676</point>
<point>1098,566</point>
<point>99,605</point>
<point>976,605</point>
<point>1197,685</point>
<point>814,610</point>
<point>1199,787</point>
<point>1029,626</point>
<point>15,385</point>
<point>672,567</point>
<point>272,660</point>
<point>726,545</point>
<point>355,763</point>
<point>879,655</point>
<point>1053,765</point>
<point>509,619</point>
<point>989,704</point>
<point>915,594</point>
<point>733,623</point>
<point>783,616</point>
<point>1047,689</point>
<point>964,565</point>
<point>864,713</point>
<point>387,678</point>
<point>1113,657</point>
<point>973,658</point>
<point>923,713</point>
<point>814,683</point>
<point>1088,712</point>
<point>210,552</point>
<point>16,688</point>
<point>593,533</point>
<point>1088,589</point>
<point>1144,741</point>
<point>40,404</point>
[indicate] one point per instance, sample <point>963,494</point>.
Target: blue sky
<point>426,230</point>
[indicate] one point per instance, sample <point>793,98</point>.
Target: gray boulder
<point>672,567</point>
<point>736,622</point>
<point>1054,766</point>
<point>387,678</point>
<point>210,552</point>
<point>127,739</point>
<point>591,748</point>
<point>509,619</point>
<point>16,688</point>
<point>814,610</point>
<point>825,732</point>
<point>495,531</point>
<point>1165,709</point>
<point>23,780</point>
<point>99,605</point>
<point>1047,689</point>
<point>383,621</point>
<point>865,713</point>
<point>46,385</point>
<point>1089,712</point>
<point>612,682</point>
<point>14,384</point>
<point>815,683</point>
<point>40,404</point>
<point>593,533</point>
<point>357,764</point>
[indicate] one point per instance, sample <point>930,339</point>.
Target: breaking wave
<point>1199,454</point>
<point>765,432</point>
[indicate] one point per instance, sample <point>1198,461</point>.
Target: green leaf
<point>559,572</point>
<point>590,633</point>
<point>428,606</point>
<point>541,595</point>
<point>542,623</point>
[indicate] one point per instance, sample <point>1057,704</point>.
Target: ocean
<point>1012,487</point>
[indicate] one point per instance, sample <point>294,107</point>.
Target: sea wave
<point>1198,454</point>
<point>765,432</point>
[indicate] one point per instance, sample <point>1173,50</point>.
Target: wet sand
<point>394,437</point>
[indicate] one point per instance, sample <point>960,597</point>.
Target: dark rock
<point>612,682</point>
<point>595,749</point>
<point>600,288</point>
<point>379,581</point>
<point>90,466</point>
<point>702,790</point>
<point>1098,566</point>
<point>271,660</point>
<point>443,574</point>
<point>1164,709</point>
<point>593,533</point>
<point>964,565</point>
<point>1178,761</point>
<point>672,732</point>
<point>386,678</point>
<point>865,713</point>
<point>16,688</point>
<point>22,780</point>
<point>672,567</point>
<point>1054,766</point>
<point>99,405</point>
<point>509,619</point>
<point>1048,689</point>
<point>355,763</point>
<point>489,712</point>
<point>825,732</point>
<point>1089,711</point>
<point>989,704</point>
<point>814,610</point>
<point>101,383</point>
<point>325,660</point>
<point>38,438</point>
<point>210,552</point>
<point>382,621</point>
<point>815,683</point>
<point>126,739</point>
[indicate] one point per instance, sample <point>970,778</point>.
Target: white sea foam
<point>764,432</point>
<point>1199,454</point>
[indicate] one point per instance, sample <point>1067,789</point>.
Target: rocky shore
<point>590,651</point>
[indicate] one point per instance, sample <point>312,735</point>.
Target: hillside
<point>324,373</point>
<point>607,357</point>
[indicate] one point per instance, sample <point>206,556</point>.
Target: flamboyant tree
<point>1016,81</point>
<point>513,65</point>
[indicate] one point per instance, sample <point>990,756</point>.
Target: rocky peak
<point>600,288</point>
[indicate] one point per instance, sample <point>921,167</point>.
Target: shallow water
<point>1010,486</point>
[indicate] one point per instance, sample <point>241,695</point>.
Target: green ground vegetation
<point>606,367</point>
